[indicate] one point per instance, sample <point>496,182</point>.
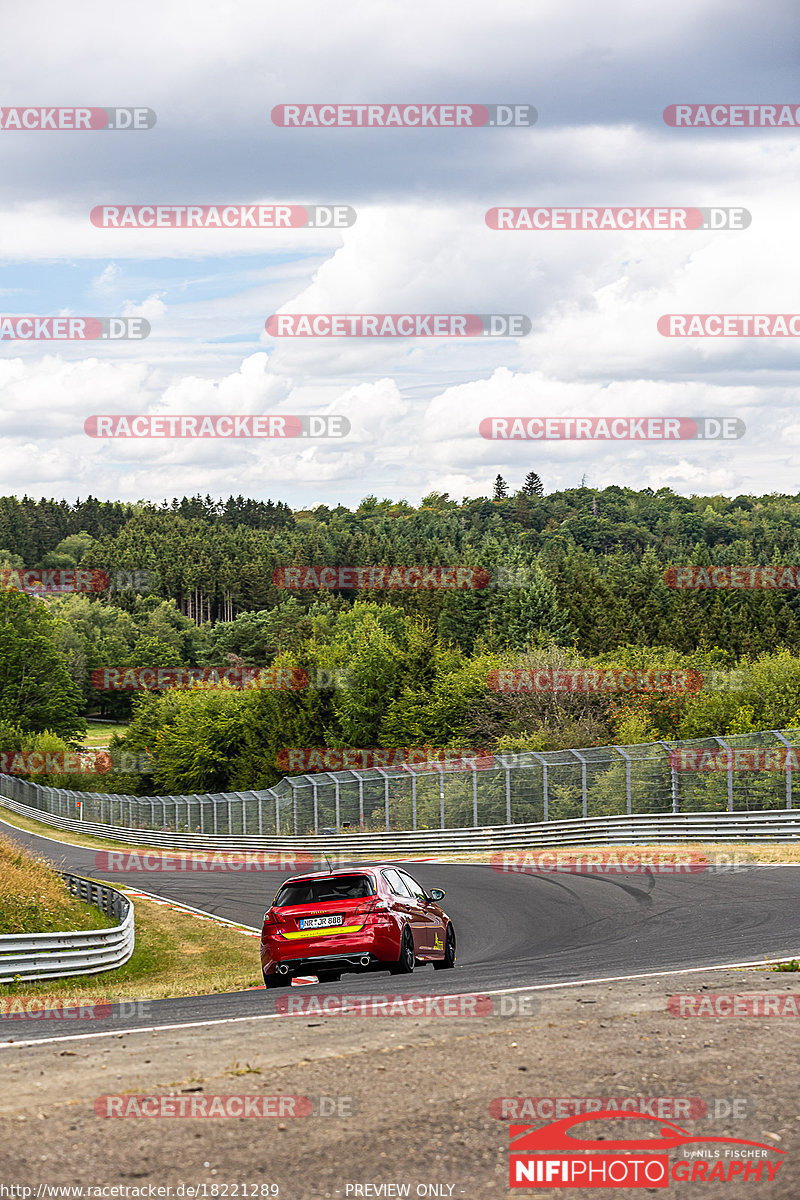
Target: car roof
<point>373,871</point>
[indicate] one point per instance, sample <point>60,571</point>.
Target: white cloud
<point>151,309</point>
<point>599,75</point>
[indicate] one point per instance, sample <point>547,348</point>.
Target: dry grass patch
<point>733,853</point>
<point>35,899</point>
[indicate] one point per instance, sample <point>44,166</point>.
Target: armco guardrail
<point>507,793</point>
<point>81,952</point>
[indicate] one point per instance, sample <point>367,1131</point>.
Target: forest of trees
<point>574,577</point>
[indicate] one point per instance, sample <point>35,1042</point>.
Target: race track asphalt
<point>514,930</point>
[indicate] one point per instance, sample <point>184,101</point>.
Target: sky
<point>599,77</point>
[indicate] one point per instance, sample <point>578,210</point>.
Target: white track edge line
<point>189,908</point>
<point>538,987</point>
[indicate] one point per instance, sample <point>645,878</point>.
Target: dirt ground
<point>407,1100</point>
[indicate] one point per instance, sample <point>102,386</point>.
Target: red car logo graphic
<point>555,1136</point>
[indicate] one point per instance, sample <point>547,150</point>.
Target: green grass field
<point>100,733</point>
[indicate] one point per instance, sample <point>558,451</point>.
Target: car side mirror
<point>436,894</point>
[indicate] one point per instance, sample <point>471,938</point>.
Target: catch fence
<point>504,790</point>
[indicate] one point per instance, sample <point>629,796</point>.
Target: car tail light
<point>371,910</point>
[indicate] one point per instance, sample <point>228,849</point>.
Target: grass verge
<point>35,899</point>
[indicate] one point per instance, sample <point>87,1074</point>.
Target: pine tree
<point>500,489</point>
<point>532,485</point>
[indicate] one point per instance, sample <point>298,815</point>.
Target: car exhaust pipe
<point>364,960</point>
<point>283,969</point>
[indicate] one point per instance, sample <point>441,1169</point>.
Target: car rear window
<point>336,887</point>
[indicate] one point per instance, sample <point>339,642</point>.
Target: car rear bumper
<point>324,963</point>
<point>347,951</point>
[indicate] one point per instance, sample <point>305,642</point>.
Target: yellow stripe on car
<point>321,932</point>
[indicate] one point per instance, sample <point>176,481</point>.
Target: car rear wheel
<point>407,960</point>
<point>277,981</point>
<point>449,959</point>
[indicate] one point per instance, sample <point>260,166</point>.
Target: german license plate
<point>319,922</point>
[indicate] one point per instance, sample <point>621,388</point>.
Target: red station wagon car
<point>362,919</point>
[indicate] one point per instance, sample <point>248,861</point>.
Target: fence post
<point>507,770</point>
<point>313,783</point>
<point>627,757</point>
<point>294,805</point>
<point>778,734</point>
<point>385,793</point>
<point>725,746</point>
<point>441,796</point>
<point>545,797</point>
<point>474,796</point>
<point>545,792</point>
<point>676,808</point>
<point>413,798</point>
<point>584,793</point>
